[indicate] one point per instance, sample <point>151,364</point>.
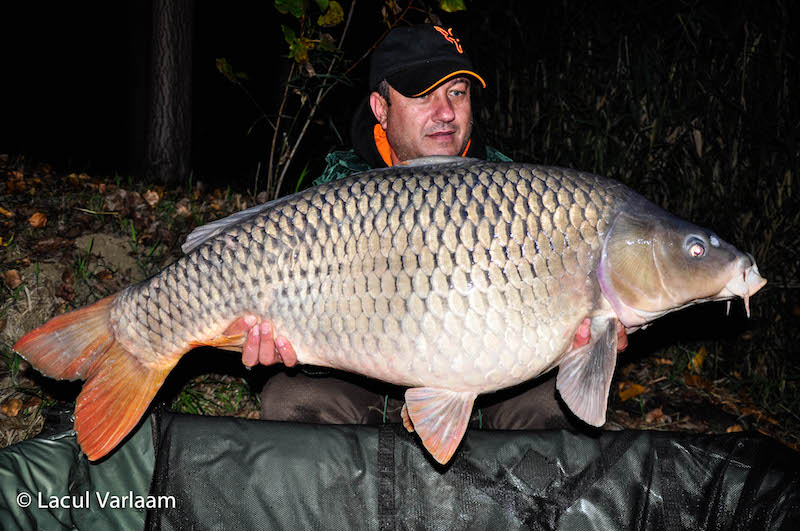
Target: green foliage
<point>226,70</point>
<point>295,7</point>
<point>333,16</point>
<point>314,32</point>
<point>451,6</point>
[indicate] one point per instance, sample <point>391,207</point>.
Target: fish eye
<point>696,247</point>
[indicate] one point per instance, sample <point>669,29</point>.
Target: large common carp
<point>451,278</point>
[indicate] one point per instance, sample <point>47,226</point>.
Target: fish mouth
<point>744,284</point>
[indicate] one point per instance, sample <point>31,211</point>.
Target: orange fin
<point>81,344</point>
<point>440,417</point>
<point>409,426</point>
<point>66,345</point>
<point>232,342</point>
<point>584,374</point>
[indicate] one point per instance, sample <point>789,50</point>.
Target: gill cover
<point>654,263</point>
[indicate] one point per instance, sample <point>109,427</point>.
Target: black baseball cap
<point>417,59</point>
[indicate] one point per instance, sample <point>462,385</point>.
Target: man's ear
<point>379,108</point>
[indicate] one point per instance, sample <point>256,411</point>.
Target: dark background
<point>76,76</point>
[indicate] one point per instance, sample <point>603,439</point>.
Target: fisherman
<point>420,104</point>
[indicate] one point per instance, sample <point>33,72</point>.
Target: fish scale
<point>461,287</point>
<point>452,278</point>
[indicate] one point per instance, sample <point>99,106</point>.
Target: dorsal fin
<point>205,232</point>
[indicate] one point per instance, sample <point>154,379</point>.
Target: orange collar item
<point>385,150</point>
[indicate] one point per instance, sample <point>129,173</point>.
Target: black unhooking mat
<point>223,473</point>
<point>237,474</point>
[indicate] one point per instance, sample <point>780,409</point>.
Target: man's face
<point>438,123</point>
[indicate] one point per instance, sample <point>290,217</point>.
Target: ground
<point>68,239</point>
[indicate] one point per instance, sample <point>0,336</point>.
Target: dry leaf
<point>629,390</point>
<point>696,363</point>
<point>12,278</point>
<point>663,361</point>
<point>654,415</point>
<point>6,213</point>
<point>698,142</point>
<point>695,380</point>
<point>11,407</point>
<point>16,182</point>
<point>38,220</point>
<point>734,428</point>
<point>105,274</point>
<point>182,208</point>
<point>628,368</point>
<point>151,197</point>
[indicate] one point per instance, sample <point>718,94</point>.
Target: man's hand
<point>259,345</point>
<point>584,335</point>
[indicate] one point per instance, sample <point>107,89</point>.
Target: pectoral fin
<point>584,375</point>
<point>440,418</point>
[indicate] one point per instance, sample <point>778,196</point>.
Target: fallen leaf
<point>68,277</point>
<point>33,401</point>
<point>12,278</point>
<point>151,197</point>
<point>216,205</point>
<point>10,407</point>
<point>735,428</point>
<point>654,415</point>
<point>16,182</point>
<point>182,208</point>
<point>116,201</point>
<point>663,361</point>
<point>696,363</point>
<point>38,220</point>
<point>627,369</point>
<point>66,292</point>
<point>105,274</point>
<point>695,380</point>
<point>6,213</point>
<point>629,390</point>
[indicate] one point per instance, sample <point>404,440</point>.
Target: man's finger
<point>250,350</point>
<point>286,351</point>
<point>266,350</point>
<point>241,325</point>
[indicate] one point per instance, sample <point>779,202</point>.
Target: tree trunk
<point>169,137</point>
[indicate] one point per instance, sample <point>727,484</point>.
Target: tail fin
<point>81,345</point>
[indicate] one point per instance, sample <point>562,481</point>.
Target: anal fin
<point>440,418</point>
<point>584,374</point>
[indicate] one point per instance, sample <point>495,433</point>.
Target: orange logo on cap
<point>448,34</point>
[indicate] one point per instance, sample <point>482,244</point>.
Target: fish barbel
<point>453,277</point>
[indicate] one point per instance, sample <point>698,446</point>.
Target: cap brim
<point>416,82</point>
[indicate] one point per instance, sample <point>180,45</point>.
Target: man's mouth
<point>441,134</point>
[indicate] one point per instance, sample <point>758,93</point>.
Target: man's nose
<point>443,108</point>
